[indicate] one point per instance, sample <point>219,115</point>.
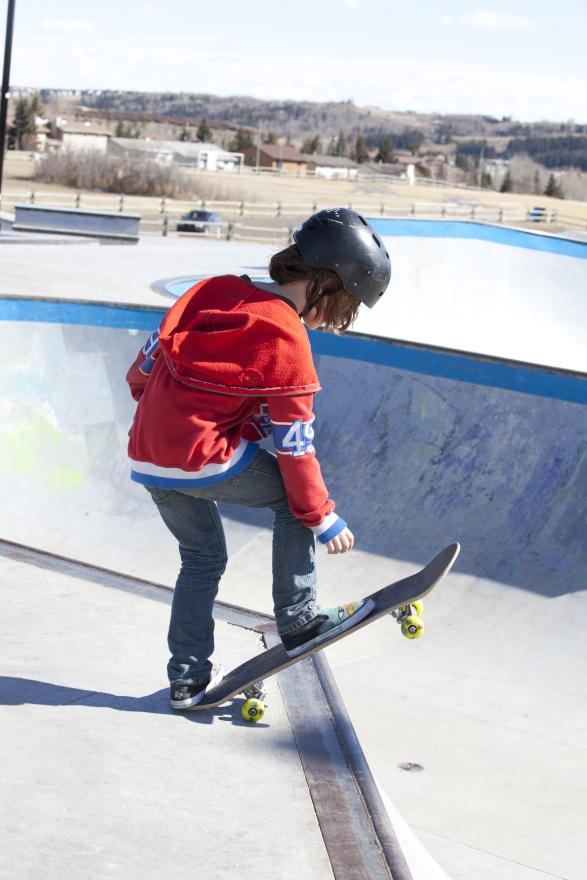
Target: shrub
<point>97,171</point>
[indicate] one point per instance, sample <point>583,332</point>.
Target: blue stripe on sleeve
<point>334,530</point>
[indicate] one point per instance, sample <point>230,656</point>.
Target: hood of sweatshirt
<point>228,336</point>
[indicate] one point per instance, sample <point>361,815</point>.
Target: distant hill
<point>301,118</point>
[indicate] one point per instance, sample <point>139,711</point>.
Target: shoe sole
<point>193,701</point>
<point>335,631</point>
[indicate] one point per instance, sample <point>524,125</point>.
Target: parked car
<point>200,221</point>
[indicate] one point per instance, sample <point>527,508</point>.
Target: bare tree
<point>527,176</point>
<point>574,184</point>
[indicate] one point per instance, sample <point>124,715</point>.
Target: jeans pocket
<point>158,495</point>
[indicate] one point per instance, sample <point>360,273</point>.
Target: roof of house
<point>278,152</point>
<point>387,167</point>
<point>332,161</point>
<point>83,128</point>
<point>188,149</point>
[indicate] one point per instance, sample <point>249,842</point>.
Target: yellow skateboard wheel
<point>412,626</point>
<point>418,607</point>
<point>253,710</point>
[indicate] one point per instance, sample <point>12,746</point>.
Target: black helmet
<point>341,240</point>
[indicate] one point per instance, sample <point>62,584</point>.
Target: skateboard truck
<point>256,691</point>
<point>410,620</point>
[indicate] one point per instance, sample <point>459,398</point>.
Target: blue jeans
<point>191,515</point>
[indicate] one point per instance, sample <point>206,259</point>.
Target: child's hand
<point>342,542</point>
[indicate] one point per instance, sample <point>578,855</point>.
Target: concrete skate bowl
<point>420,446</point>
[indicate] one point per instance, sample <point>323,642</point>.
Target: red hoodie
<point>229,365</point>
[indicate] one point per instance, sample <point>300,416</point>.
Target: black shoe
<point>184,695</point>
<point>304,635</point>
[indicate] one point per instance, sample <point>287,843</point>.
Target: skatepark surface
<point>473,428</point>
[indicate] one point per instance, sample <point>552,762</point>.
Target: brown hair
<point>335,306</point>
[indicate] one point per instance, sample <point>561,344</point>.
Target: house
<point>278,157</point>
<point>392,169</point>
<point>81,135</point>
<point>202,156</point>
<point>333,167</point>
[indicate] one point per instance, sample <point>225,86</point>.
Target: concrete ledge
<point>115,225</point>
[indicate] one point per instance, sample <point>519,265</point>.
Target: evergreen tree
<point>553,188</point>
<point>36,108</point>
<point>270,138</point>
<point>385,153</point>
<point>242,139</point>
<point>463,162</point>
<point>184,135</point>
<point>24,122</point>
<point>204,132</point>
<point>550,186</point>
<point>124,130</point>
<point>341,144</point>
<point>537,184</point>
<point>360,153</point>
<point>311,144</point>
<point>507,183</point>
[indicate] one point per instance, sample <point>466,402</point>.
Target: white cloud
<point>492,21</point>
<point>352,4</point>
<point>186,63</point>
<point>68,25</point>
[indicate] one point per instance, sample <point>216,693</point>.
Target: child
<point>231,364</point>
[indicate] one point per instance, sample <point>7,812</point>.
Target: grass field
<point>262,192</point>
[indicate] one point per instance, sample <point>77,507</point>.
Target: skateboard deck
<point>385,601</point>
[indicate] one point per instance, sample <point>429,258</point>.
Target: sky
<point>521,58</point>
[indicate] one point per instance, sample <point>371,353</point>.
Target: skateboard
<point>402,599</point>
